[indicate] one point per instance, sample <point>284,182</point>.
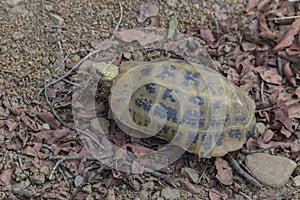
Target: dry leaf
<point>224,174</point>
<point>251,4</point>
<point>289,37</point>
<point>268,135</point>
<point>215,195</point>
<point>281,114</point>
<point>270,75</point>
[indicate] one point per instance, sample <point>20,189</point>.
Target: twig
<point>244,195</point>
<point>121,15</point>
<point>67,81</point>
<point>64,176</point>
<point>68,73</point>
<point>216,21</point>
<point>288,17</point>
<point>262,91</point>
<point>100,157</point>
<point>280,69</point>
<point>55,166</point>
<point>244,151</point>
<point>240,171</point>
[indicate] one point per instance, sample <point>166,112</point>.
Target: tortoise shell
<point>187,104</point>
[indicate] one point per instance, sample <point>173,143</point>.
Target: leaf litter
<point>258,53</point>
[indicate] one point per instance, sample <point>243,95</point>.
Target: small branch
<point>121,15</point>
<point>262,91</point>
<point>67,81</point>
<point>240,171</point>
<point>244,151</point>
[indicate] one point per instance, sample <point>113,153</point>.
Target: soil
<point>35,37</point>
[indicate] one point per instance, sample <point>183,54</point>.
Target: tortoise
<point>187,104</point>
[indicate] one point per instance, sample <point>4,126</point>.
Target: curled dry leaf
<point>30,123</point>
<point>141,36</point>
<point>224,174</point>
<point>289,37</point>
<point>281,114</point>
<point>268,135</point>
<point>251,4</point>
<point>5,176</point>
<point>297,91</point>
<point>265,32</point>
<point>233,76</point>
<point>12,126</point>
<point>207,35</point>
<point>49,119</point>
<point>16,111</point>
<point>270,75</point>
<point>188,186</point>
<point>145,11</point>
<point>215,195</point>
<point>294,111</point>
<point>289,74</point>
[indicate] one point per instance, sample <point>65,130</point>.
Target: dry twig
<point>240,171</point>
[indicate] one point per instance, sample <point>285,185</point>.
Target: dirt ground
<point>35,38</point>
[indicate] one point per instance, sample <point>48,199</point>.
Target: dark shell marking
<point>204,113</point>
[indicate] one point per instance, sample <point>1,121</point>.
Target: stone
<point>13,3</point>
<point>273,171</point>
<point>191,174</point>
<point>37,178</point>
<point>57,20</point>
<point>143,194</point>
<point>17,36</point>
<point>169,193</point>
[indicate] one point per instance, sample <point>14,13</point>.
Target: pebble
<point>191,174</point>
<point>13,3</point>
<point>37,178</point>
<point>56,19</point>
<point>17,36</point>
<point>169,193</point>
<point>143,194</point>
<point>87,188</point>
<point>273,171</point>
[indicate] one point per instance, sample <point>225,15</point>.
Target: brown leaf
<point>270,75</point>
<point>16,111</point>
<point>297,91</point>
<point>49,119</point>
<point>265,32</point>
<point>224,174</point>
<point>141,36</point>
<point>5,176</point>
<point>29,122</point>
<point>154,21</point>
<point>281,114</point>
<point>207,35</point>
<point>188,186</point>
<point>12,126</point>
<point>145,11</point>
<point>289,74</point>
<point>294,111</point>
<point>285,132</point>
<point>251,4</point>
<point>268,135</point>
<point>289,37</point>
<point>215,195</point>
<point>233,76</point>
<point>139,149</point>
